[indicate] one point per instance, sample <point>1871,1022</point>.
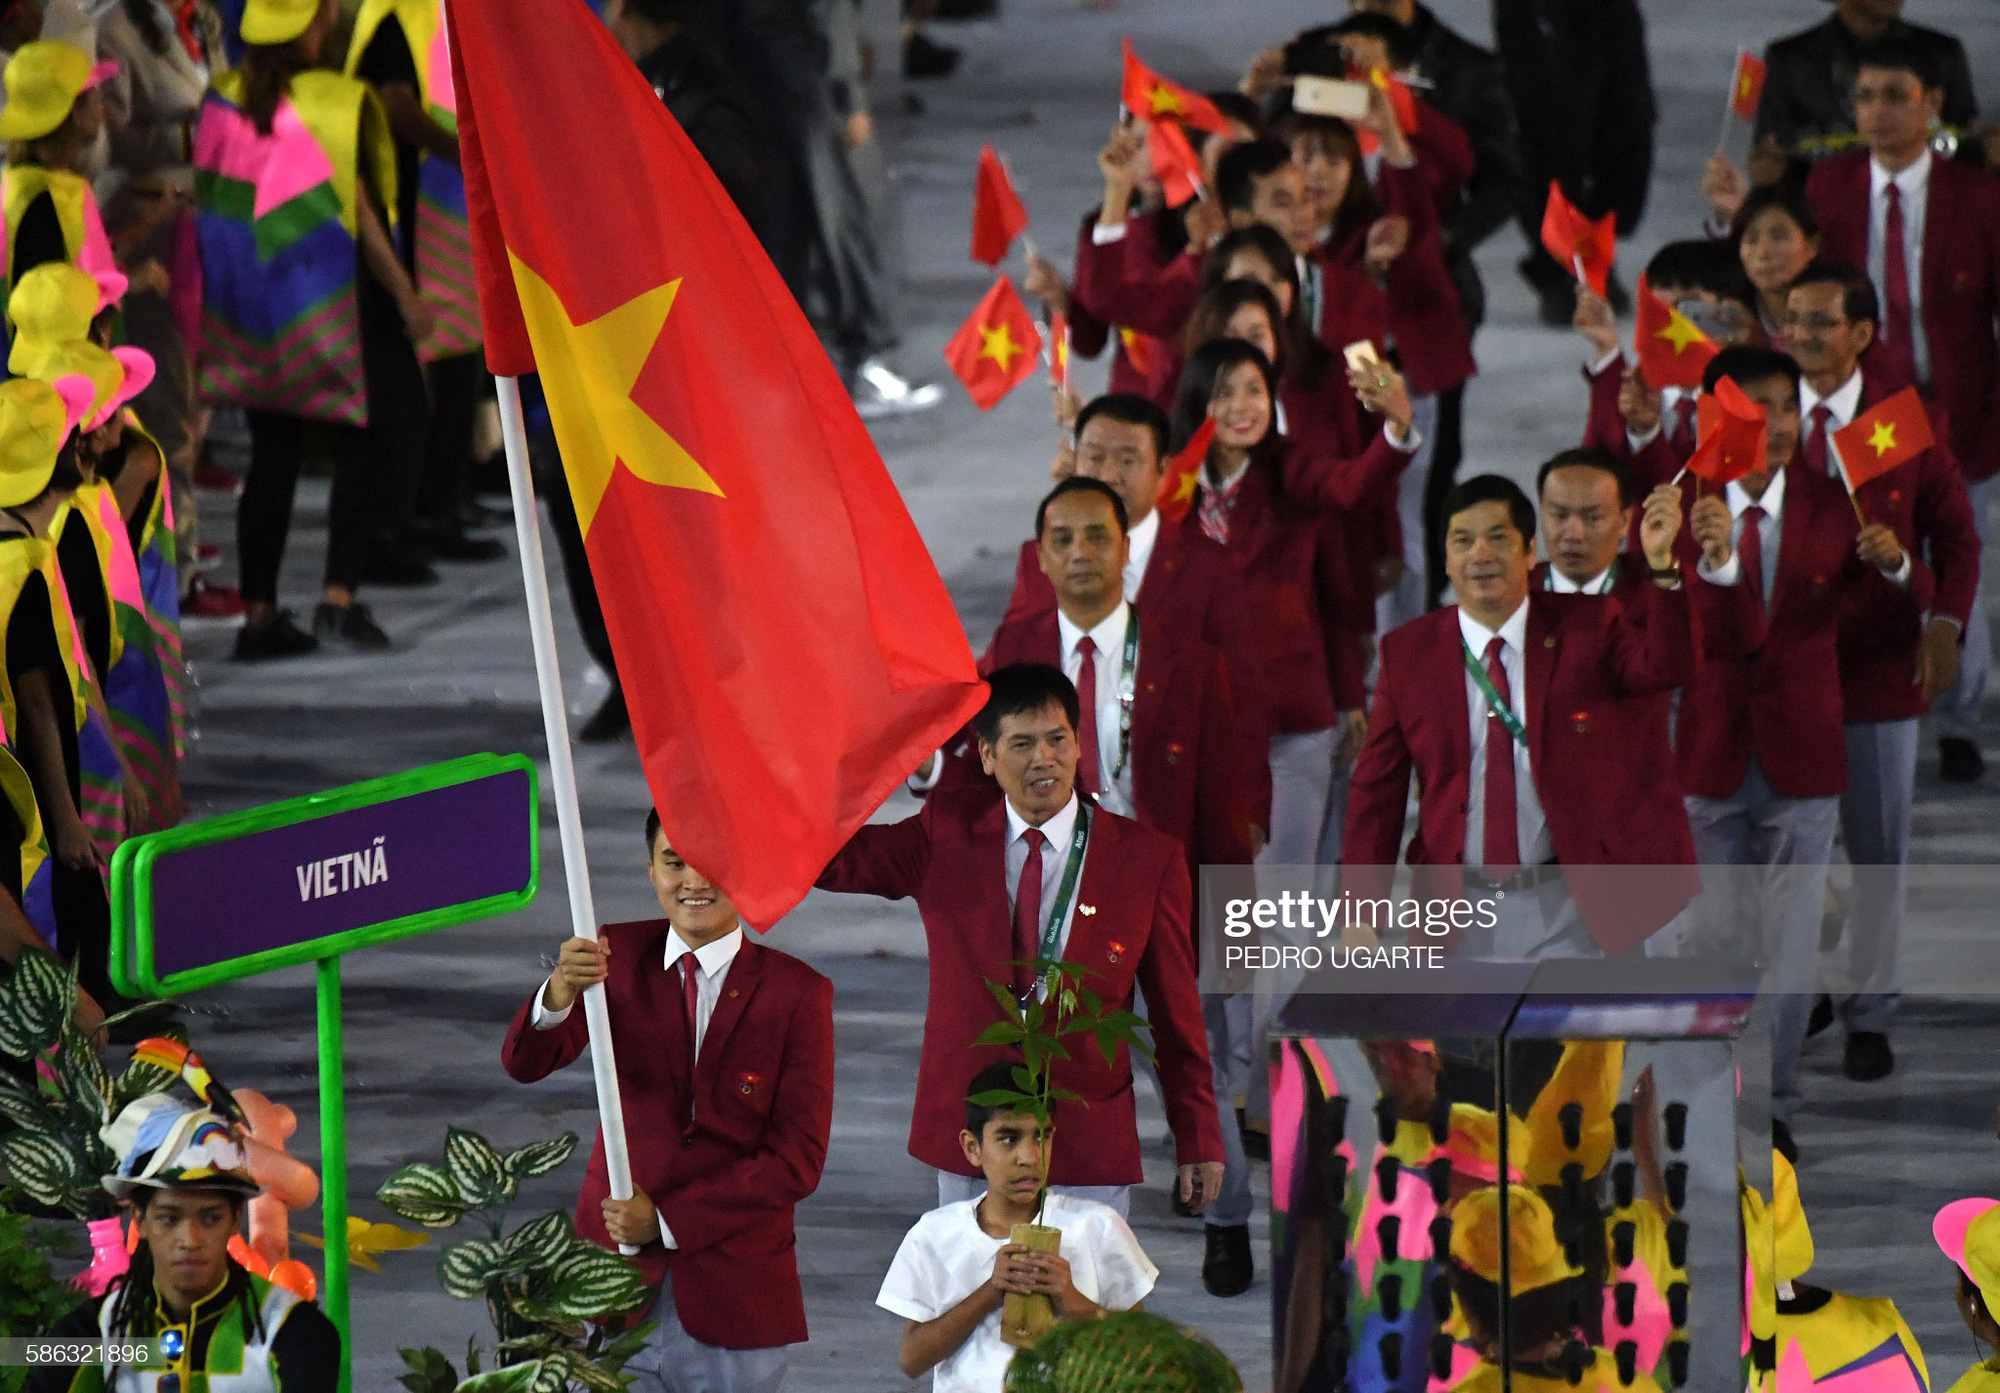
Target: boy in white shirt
<point>956,1265</point>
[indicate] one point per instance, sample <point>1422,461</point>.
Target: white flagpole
<point>562,780</point>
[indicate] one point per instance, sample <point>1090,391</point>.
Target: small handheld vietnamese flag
<point>1402,101</point>
<point>1585,246</point>
<point>1729,431</point>
<point>997,215</point>
<point>1893,433</point>
<point>1148,96</point>
<point>1138,351</point>
<point>1672,351</point>
<point>1746,85</point>
<point>1184,473</point>
<point>1175,163</point>
<point>995,350</point>
<point>1058,351</point>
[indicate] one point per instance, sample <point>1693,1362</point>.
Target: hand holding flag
<point>995,350</point>
<point>1587,247</point>
<point>1672,351</point>
<point>1148,96</point>
<point>1184,473</point>
<point>1730,436</point>
<point>997,215</point>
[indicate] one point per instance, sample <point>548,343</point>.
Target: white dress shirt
<point>1768,533</point>
<point>1140,539</point>
<point>1531,826</point>
<point>1055,855</point>
<point>1914,182</point>
<point>1599,584</point>
<point>1670,399</point>
<point>1841,405</point>
<point>1109,636</point>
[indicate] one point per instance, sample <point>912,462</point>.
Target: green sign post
<point>311,879</point>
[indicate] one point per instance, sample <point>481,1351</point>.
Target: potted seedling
<point>1039,1028</point>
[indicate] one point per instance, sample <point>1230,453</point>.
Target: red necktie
<point>1897,316</point>
<point>1502,856</point>
<point>1750,551</point>
<point>1683,437</point>
<point>1028,913</point>
<point>1815,446</point>
<point>1087,770</point>
<point>689,1005</point>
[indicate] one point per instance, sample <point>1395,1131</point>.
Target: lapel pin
<point>1086,909</point>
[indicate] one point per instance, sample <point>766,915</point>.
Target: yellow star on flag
<point>1883,438</point>
<point>1743,86</point>
<point>1679,331</point>
<point>1165,101</point>
<point>1184,491</point>
<point>997,342</point>
<point>588,371</point>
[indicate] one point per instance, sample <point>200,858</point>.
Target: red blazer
<point>1960,291</point>
<point>1188,774</point>
<point>1191,589</point>
<point>1592,671</point>
<point>951,858</point>
<point>1926,502</point>
<point>1424,320</point>
<point>726,1177</point>
<point>1772,688</point>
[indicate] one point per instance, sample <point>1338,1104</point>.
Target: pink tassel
<point>108,1258</point>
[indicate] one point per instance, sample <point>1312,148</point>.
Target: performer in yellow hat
<point>52,117</point>
<point>1969,1233</point>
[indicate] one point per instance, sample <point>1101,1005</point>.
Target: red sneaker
<point>205,601</point>
<point>210,478</point>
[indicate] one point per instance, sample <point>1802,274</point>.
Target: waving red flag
<point>1729,429</point>
<point>1184,473</point>
<point>1584,246</point>
<point>1174,161</point>
<point>1895,432</point>
<point>1058,351</point>
<point>1746,85</point>
<point>788,651</point>
<point>1148,96</point>
<point>997,215</point>
<point>1402,101</point>
<point>1672,351</point>
<point>995,350</point>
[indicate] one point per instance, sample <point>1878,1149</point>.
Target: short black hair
<point>1020,688</point>
<point>1076,483</point>
<point>1491,488</point>
<point>994,1077</point>
<point>1681,264</point>
<point>1857,292</point>
<point>1901,53</point>
<point>1589,457</point>
<point>1743,362</point>
<point>1238,108</point>
<point>652,830</point>
<point>1133,410</point>
<point>1241,166</point>
<point>1788,198</point>
<point>1396,38</point>
<point>1218,305</point>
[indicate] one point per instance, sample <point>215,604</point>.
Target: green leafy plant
<point>542,1284</point>
<point>54,1155</point>
<point>1038,1030</point>
<point>32,1298</point>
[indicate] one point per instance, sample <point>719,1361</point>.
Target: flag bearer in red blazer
<point>1927,230</point>
<point>1887,678</point>
<point>725,1060</point>
<point>1759,737</point>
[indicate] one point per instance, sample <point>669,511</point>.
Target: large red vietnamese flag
<point>787,649</point>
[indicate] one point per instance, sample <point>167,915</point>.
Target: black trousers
<point>1582,89</point>
<point>83,925</point>
<point>552,486</point>
<point>376,469</point>
<point>456,385</point>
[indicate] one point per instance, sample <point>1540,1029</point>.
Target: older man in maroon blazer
<point>1030,870</point>
<point>725,1060</point>
<point>1515,712</point>
<point>1927,230</point>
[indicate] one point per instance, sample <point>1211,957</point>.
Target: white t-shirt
<point>946,1256</point>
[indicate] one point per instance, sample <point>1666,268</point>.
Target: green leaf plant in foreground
<point>1039,1030</point>
<point>554,1298</point>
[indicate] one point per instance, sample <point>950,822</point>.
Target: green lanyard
<point>1128,681</point>
<point>1499,708</point>
<point>1610,577</point>
<point>1066,890</point>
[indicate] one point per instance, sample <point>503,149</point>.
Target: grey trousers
<point>673,1361</point>
<point>1875,824</point>
<point>953,1188</point>
<point>1792,838</point>
<point>1533,924</point>
<point>1301,782</point>
<point>1226,1021</point>
<point>1956,713</point>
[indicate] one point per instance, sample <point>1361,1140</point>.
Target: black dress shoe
<point>280,638</point>
<point>1781,1141</point>
<point>351,626</point>
<point>1227,1269</point>
<point>1821,1017</point>
<point>1868,1056</point>
<point>611,722</point>
<point>1959,760</point>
